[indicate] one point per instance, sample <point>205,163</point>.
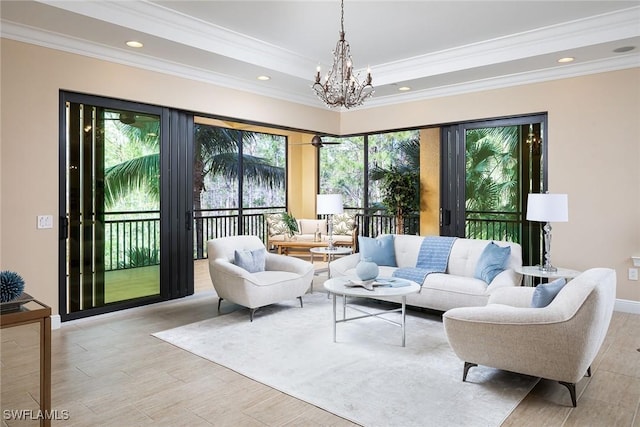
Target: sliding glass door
<point>488,168</point>
<point>113,186</point>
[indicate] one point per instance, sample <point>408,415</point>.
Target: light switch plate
<point>45,221</point>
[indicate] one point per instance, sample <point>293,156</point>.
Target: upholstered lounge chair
<point>558,342</point>
<point>283,277</point>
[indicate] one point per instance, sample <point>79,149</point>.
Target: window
<point>238,175</point>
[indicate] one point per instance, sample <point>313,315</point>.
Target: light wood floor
<point>109,371</point>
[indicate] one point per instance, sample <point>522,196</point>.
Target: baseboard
<point>627,306</point>
<point>56,322</point>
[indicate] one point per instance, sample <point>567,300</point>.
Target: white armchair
<point>283,277</point>
<point>557,342</point>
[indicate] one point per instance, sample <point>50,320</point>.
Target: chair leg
<point>219,301</point>
<point>300,298</point>
<point>572,391</point>
<point>467,366</point>
<point>251,312</point>
<point>588,371</point>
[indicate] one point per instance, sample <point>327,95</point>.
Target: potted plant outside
<point>291,223</point>
<point>399,194</point>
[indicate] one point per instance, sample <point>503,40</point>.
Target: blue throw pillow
<point>380,250</point>
<point>252,261</point>
<point>545,293</point>
<point>492,262</point>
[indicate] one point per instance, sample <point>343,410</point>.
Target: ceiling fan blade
<point>317,142</point>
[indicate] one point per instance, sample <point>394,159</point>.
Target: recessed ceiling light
<point>404,88</point>
<point>133,43</point>
<point>264,78</point>
<point>566,59</point>
<point>624,49</point>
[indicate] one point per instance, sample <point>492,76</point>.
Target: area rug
<point>367,376</point>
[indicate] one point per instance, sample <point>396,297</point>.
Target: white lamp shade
<point>329,204</point>
<point>546,207</point>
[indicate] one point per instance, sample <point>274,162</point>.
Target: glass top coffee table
<point>387,287</point>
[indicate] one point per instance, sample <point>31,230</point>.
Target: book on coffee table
<point>379,282</point>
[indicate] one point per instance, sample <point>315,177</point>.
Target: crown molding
<point>81,47</point>
<point>614,27</point>
<point>157,20</point>
<point>530,77</point>
<point>596,29</point>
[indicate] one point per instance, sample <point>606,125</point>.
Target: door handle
<point>445,217</point>
<point>188,220</point>
<point>64,228</point>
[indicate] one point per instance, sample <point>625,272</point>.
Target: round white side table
<point>529,272</point>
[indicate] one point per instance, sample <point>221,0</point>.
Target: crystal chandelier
<point>340,86</point>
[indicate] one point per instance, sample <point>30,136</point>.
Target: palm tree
<point>141,172</point>
<point>215,152</point>
<point>491,168</point>
<point>491,183</point>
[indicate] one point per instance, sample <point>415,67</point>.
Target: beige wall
<point>594,149</point>
<point>430,182</point>
<point>594,157</point>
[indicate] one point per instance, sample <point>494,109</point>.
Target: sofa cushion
<point>379,250</point>
<point>545,293</point>
<point>309,226</point>
<point>275,224</point>
<point>344,223</point>
<point>251,260</point>
<point>492,262</point>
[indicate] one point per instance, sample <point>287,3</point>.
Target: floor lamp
<point>329,204</point>
<point>546,207</point>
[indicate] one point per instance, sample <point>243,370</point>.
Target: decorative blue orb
<point>11,285</point>
<point>367,269</point>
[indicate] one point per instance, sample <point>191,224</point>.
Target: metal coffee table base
<point>378,314</point>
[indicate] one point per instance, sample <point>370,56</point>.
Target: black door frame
<point>453,172</point>
<point>176,239</point>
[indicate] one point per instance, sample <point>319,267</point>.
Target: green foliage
<point>400,191</point>
<point>141,257</point>
<point>342,170</point>
<point>290,221</point>
<point>132,164</point>
<point>492,169</point>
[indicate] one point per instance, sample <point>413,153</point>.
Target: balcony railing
<point>132,239</point>
<point>494,225</point>
<point>213,223</point>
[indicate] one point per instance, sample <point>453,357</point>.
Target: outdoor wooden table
<point>284,246</point>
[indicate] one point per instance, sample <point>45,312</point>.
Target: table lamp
<point>329,204</point>
<point>546,207</point>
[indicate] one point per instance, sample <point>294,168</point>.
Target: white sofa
<point>557,342</point>
<point>443,291</point>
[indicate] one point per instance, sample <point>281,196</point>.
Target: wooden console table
<point>36,312</point>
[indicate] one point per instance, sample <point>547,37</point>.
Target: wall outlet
<point>45,221</point>
<point>633,274</point>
